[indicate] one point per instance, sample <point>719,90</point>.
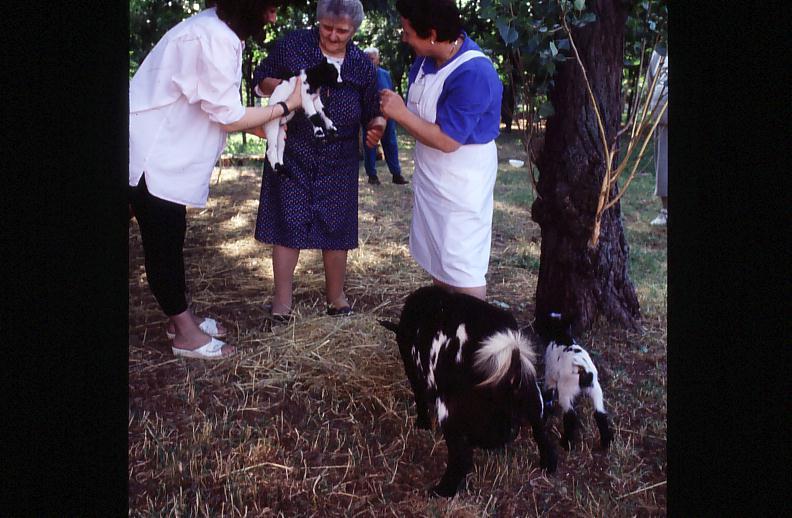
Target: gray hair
<point>351,9</point>
<point>371,50</point>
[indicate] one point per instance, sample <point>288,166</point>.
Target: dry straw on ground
<point>314,418</point>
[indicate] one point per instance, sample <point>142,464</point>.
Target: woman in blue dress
<point>315,205</point>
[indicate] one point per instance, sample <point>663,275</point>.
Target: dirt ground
<point>314,418</point>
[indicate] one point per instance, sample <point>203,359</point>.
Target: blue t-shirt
<point>384,79</point>
<point>468,109</point>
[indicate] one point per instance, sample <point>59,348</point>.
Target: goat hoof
<point>441,491</point>
<point>548,463</point>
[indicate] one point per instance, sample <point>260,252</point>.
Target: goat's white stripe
<point>442,411</point>
<point>440,340</point>
<point>416,356</point>
<point>462,336</point>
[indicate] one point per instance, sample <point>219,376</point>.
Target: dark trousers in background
<point>163,225</point>
<point>389,148</point>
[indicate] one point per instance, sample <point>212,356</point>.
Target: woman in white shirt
<point>183,101</point>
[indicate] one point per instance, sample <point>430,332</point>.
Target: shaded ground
<point>315,418</point>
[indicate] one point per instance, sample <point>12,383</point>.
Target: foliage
<point>149,20</point>
<point>524,39</point>
<point>133,65</point>
<point>236,145</point>
<point>529,43</point>
<point>382,29</point>
<point>647,28</point>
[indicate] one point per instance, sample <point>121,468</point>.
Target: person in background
<point>453,111</point>
<point>390,146</point>
<point>183,101</point>
<point>658,68</point>
<point>316,205</point>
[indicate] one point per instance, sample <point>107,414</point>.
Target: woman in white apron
<point>453,111</point>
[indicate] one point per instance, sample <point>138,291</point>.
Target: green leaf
<point>580,4</point>
<point>553,49</point>
<point>507,33</point>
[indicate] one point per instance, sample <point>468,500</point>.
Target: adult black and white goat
<point>325,73</point>
<point>570,372</point>
<point>468,360</point>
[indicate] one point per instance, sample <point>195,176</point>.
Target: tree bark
<point>581,283</point>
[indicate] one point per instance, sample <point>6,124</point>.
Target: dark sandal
<point>280,318</point>
<point>337,312</point>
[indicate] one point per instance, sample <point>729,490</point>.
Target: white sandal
<point>208,326</point>
<point>211,351</point>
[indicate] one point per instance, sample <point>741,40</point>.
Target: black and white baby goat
<point>468,360</point>
<point>326,73</point>
<point>569,372</point>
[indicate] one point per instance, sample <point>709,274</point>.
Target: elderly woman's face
<point>334,33</point>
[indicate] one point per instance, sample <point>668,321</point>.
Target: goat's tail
<point>506,353</point>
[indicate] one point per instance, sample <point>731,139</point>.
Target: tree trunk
<point>581,283</point>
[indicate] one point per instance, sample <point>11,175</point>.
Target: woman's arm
<point>425,132</point>
<point>260,115</point>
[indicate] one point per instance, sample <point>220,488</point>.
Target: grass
<point>315,418</point>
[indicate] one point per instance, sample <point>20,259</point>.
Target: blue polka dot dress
<point>316,207</point>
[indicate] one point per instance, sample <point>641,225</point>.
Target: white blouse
<point>187,86</point>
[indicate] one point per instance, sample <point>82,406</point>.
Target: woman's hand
<point>257,131</point>
<point>294,101</point>
<point>392,105</point>
<point>374,131</point>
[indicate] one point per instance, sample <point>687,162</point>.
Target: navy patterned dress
<point>317,207</point>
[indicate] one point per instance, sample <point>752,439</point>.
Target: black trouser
<point>162,228</point>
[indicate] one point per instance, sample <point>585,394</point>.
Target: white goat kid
<point>313,79</point>
<point>570,372</point>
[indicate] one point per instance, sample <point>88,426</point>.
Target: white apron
<point>451,229</point>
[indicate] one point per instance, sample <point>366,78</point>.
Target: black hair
<point>425,15</point>
<point>244,17</point>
